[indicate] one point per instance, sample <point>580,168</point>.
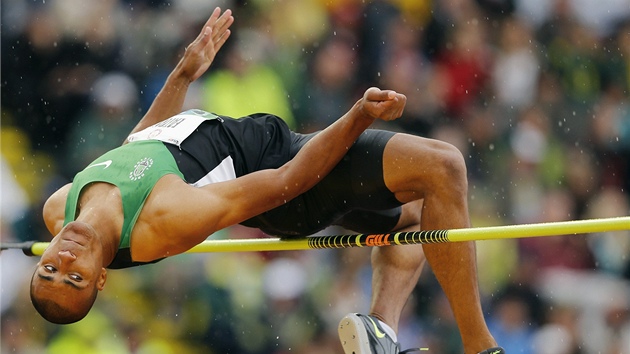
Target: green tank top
<point>134,168</point>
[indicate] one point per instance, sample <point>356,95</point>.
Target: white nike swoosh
<point>104,163</point>
<point>379,334</point>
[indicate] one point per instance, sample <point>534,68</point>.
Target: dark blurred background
<point>535,93</point>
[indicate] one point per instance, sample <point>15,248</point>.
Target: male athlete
<point>180,177</point>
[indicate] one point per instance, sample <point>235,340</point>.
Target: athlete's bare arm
<point>177,216</point>
<point>196,60</point>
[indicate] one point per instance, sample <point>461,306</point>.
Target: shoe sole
<point>353,336</point>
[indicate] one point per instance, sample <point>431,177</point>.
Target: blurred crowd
<point>535,93</point>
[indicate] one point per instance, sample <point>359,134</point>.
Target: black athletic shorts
<point>353,195</point>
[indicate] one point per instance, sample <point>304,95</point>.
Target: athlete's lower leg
<point>395,272</point>
<point>436,172</point>
<point>454,264</point>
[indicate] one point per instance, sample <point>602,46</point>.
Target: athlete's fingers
<point>393,108</point>
<point>402,102</point>
<point>397,105</point>
<point>376,94</point>
<point>218,44</point>
<point>202,39</point>
<point>383,104</point>
<point>205,37</point>
<point>215,28</point>
<point>222,24</point>
<point>213,18</point>
<point>221,34</point>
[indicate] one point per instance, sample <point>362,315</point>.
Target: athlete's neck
<point>100,207</point>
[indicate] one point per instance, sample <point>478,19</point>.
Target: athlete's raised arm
<point>197,58</point>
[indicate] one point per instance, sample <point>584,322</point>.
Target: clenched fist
<point>382,104</point>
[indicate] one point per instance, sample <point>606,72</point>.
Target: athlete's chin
<point>79,233</point>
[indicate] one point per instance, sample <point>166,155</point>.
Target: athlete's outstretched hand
<point>382,104</point>
<point>201,52</point>
<point>196,60</point>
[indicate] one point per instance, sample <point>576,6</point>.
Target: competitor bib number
<point>175,129</point>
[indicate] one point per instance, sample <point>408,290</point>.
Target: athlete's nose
<point>67,255</point>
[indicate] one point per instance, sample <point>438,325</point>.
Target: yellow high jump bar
<point>573,227</point>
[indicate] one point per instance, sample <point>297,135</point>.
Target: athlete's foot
<point>361,334</point>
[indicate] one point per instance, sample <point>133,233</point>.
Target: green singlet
<point>134,168</point>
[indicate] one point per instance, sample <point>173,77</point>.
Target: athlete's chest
<point>104,199</point>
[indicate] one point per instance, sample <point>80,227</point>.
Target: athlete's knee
<point>450,167</point>
<point>418,167</point>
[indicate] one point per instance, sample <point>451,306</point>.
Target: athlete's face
<point>71,267</point>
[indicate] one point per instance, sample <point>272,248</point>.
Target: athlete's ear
<point>100,283</point>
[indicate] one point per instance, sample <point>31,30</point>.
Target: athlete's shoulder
<point>54,209</point>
